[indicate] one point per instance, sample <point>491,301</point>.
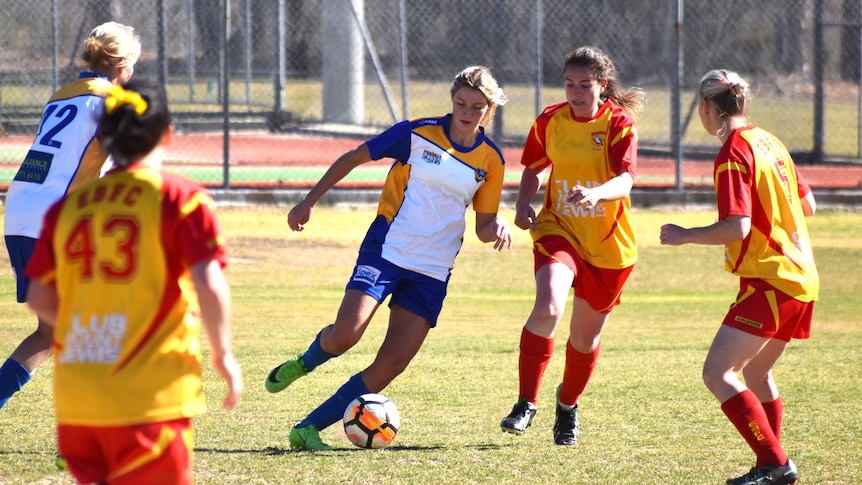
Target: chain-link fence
<point>310,77</point>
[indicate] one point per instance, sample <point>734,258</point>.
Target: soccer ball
<point>371,421</point>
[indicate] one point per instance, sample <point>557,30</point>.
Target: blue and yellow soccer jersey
<point>420,219</point>
<point>65,155</point>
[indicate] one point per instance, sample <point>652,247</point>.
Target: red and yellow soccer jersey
<point>586,152</point>
<point>756,177</point>
<point>126,343</point>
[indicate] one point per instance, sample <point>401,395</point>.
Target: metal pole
<point>162,28</point>
<point>375,60</point>
<point>402,44</point>
<point>55,63</point>
<point>858,22</point>
<point>539,59</point>
<point>281,52</point>
<point>248,53</point>
<point>191,27</point>
<point>819,60</point>
<point>225,94</point>
<point>676,95</point>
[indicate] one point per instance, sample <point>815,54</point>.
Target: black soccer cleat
<point>522,416</point>
<point>768,475</point>
<point>566,426</point>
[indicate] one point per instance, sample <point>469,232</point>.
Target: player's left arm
<point>616,188</point>
<point>215,307</point>
<point>44,301</point>
<point>730,229</point>
<point>491,227</point>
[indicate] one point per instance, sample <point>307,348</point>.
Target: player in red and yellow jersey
<point>762,204</point>
<point>65,155</point>
<point>125,271</point>
<point>582,235</point>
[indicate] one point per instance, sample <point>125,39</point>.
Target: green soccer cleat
<point>60,462</point>
<point>284,375</point>
<point>307,438</point>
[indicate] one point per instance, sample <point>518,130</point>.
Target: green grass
<point>646,416</point>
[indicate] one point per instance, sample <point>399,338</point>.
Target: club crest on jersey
<point>598,139</point>
<point>481,175</point>
<point>429,156</point>
<point>366,274</point>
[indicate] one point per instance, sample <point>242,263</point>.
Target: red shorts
<point>129,455</point>
<point>762,310</point>
<point>599,287</point>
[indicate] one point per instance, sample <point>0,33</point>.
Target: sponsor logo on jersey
<point>432,157</point>
<point>366,274</point>
<point>749,322</point>
<point>35,167</point>
<point>97,342</point>
<point>569,209</point>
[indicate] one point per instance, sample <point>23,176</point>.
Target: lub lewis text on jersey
<point>576,210</point>
<point>97,343</point>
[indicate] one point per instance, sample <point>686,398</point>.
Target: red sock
<point>535,354</point>
<point>746,413</point>
<point>579,369</point>
<point>775,413</point>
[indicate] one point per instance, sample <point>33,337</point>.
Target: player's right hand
<point>299,216</point>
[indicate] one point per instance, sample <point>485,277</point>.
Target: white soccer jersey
<point>420,219</point>
<point>65,154</point>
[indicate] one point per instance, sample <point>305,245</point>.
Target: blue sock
<point>13,376</point>
<point>332,409</point>
<point>315,355</point>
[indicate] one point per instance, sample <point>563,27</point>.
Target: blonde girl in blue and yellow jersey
<point>442,165</point>
<point>65,155</point>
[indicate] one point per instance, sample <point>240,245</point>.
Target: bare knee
<point>714,379</point>
<point>544,319</point>
<point>336,341</point>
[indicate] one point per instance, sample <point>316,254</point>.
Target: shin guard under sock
<point>13,376</point>
<point>315,355</point>
<point>535,354</point>
<point>333,408</point>
<point>579,369</point>
<point>747,415</point>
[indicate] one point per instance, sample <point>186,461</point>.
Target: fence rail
<point>348,68</point>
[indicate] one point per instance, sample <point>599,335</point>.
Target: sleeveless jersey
<point>420,218</point>
<point>586,152</point>
<point>65,154</point>
<point>756,177</point>
<point>126,343</point>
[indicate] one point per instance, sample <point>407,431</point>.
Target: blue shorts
<point>415,292</point>
<point>20,251</point>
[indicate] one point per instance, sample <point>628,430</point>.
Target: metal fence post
<point>676,95</point>
<point>225,94</point>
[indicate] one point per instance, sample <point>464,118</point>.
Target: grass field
<point>646,417</point>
